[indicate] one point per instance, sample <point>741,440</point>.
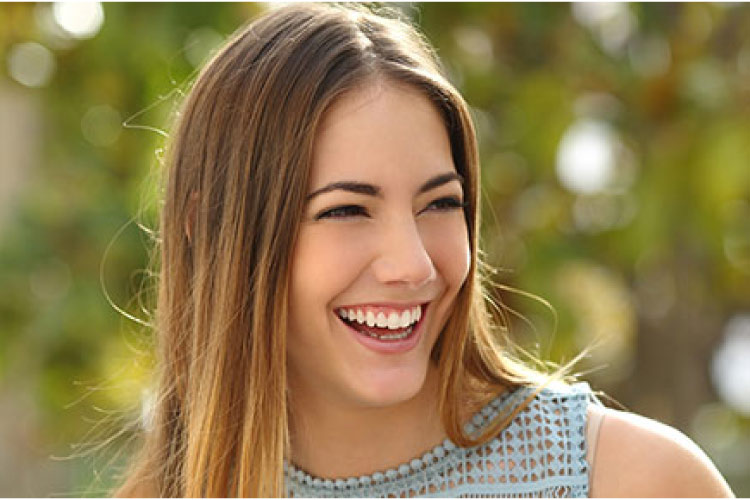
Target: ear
<point>190,216</point>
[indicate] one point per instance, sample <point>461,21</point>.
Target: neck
<point>336,441</point>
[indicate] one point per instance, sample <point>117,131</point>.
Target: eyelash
<point>445,204</point>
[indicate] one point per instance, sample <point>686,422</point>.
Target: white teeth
<point>405,319</point>
<point>381,321</point>
<point>392,321</point>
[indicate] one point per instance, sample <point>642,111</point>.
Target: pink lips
<point>391,346</point>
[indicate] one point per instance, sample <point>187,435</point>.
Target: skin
<point>639,457</point>
<point>354,410</point>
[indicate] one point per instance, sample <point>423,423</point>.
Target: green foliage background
<point>653,268</point>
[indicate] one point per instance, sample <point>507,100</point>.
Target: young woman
<point>322,326</point>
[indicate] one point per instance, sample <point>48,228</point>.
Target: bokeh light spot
<point>476,45</point>
<point>52,33</point>
<point>611,23</point>
<point>730,369</point>
<point>101,125</point>
<point>603,212</point>
<point>80,20</point>
<point>586,157</point>
<point>31,64</point>
<point>704,82</point>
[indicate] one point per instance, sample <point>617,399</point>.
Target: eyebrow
<point>372,190</point>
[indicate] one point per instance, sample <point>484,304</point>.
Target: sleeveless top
<point>541,453</point>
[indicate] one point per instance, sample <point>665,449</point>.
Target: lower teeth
<point>392,336</point>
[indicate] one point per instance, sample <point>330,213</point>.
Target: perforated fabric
<point>542,453</point>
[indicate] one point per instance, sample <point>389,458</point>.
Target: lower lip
<point>390,346</point>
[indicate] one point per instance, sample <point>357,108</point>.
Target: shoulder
<point>639,457</point>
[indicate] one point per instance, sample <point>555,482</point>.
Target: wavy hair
<point>238,165</point>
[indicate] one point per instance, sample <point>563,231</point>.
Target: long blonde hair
<point>238,168</point>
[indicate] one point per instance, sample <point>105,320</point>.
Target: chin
<point>381,389</point>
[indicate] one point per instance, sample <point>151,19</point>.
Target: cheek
<point>447,242</point>
<point>324,264</point>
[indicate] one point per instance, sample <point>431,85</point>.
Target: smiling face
<point>382,251</point>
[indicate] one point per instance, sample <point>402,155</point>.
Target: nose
<point>402,257</point>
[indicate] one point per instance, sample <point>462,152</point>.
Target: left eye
<point>447,203</point>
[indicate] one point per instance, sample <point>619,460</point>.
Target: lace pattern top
<point>541,453</point>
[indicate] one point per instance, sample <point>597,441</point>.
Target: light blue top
<point>542,453</point>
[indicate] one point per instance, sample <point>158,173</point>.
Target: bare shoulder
<point>639,457</point>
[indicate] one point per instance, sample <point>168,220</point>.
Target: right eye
<point>342,212</point>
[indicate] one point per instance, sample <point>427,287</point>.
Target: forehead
<point>382,130</point>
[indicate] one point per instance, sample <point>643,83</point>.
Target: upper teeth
<point>393,320</point>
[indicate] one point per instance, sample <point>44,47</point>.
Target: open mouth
<point>390,329</point>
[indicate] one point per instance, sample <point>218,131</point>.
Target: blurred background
<point>615,142</point>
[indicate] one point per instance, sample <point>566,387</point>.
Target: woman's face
<point>382,251</point>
